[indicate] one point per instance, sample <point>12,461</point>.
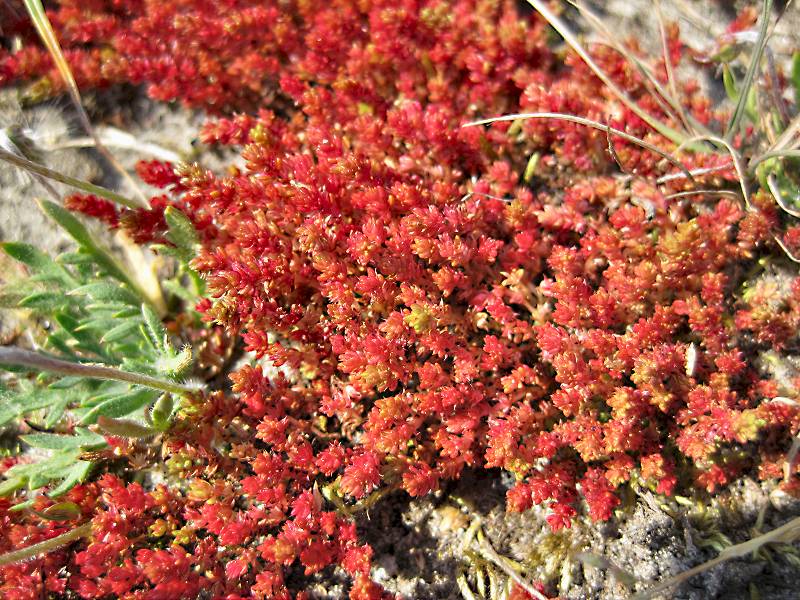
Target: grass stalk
<point>738,162</point>
<point>501,562</point>
<point>564,31</point>
<point>668,101</point>
<point>752,70</point>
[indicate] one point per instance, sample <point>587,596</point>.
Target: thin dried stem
<point>789,138</point>
<point>671,81</point>
<point>503,564</point>
<point>705,192</point>
<point>786,533</point>
<point>668,102</point>
<point>754,162</point>
<point>117,138</point>
<point>738,164</point>
<point>589,123</point>
<point>695,18</point>
<point>704,171</point>
<point>786,250</point>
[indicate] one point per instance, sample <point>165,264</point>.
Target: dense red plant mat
<point>430,309</point>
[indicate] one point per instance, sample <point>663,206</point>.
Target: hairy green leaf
<point>44,301</point>
<point>161,414</point>
<point>120,332</point>
<point>16,404</point>
<point>108,292</point>
<point>63,511</point>
<point>81,235</point>
<point>38,262</point>
<point>82,438</point>
<point>181,233</point>
<point>76,474</point>
<point>86,341</point>
<point>175,365</point>
<point>154,329</point>
<point>121,406</point>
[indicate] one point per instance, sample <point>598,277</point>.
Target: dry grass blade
<point>651,83</point>
<point>671,81</point>
<point>698,20</point>
<point>601,562</point>
<point>771,154</point>
<point>594,124</point>
<point>668,101</point>
<point>116,138</point>
<point>786,250</point>
<point>702,192</point>
<point>563,29</point>
<point>789,139</point>
<point>786,533</point>
<point>45,31</point>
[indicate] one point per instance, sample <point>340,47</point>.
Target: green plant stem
<point>85,186</point>
<point>25,358</point>
<point>752,69</point>
<point>16,556</point>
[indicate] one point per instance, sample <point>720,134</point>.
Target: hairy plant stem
<point>25,358</point>
<point>16,556</point>
<point>84,186</point>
